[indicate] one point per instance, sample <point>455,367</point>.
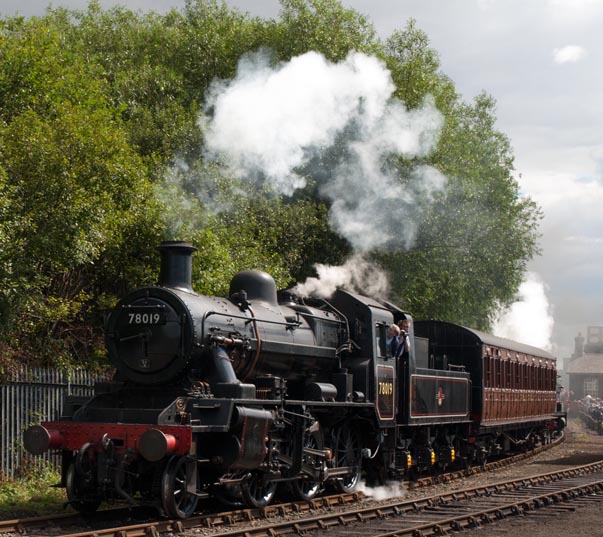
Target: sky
<point>542,61</point>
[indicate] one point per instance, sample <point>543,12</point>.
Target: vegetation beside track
<point>31,493</point>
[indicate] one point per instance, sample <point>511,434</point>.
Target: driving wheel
<point>347,452</point>
<point>258,493</point>
<point>306,488</point>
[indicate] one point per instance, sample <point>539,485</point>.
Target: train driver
<point>403,340</point>
<point>392,339</point>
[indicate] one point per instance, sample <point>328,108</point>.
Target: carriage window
<point>492,371</point>
<point>503,374</point>
<point>524,369</point>
<point>538,377</point>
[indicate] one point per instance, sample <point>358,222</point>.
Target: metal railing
<point>32,395</point>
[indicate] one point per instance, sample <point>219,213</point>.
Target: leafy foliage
<point>415,69</point>
<point>325,26</point>
<point>72,182</point>
<point>32,492</point>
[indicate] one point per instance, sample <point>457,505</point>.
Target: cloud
<point>569,54</point>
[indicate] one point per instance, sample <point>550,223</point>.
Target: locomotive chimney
<point>176,265</point>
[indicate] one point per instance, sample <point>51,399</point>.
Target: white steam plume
<point>384,492</point>
<point>275,124</point>
<point>530,319</point>
<point>356,274</point>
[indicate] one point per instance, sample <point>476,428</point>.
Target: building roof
<point>588,364</point>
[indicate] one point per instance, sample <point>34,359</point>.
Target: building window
<point>591,387</point>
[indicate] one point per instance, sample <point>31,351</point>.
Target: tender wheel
<point>305,488</point>
<point>77,492</point>
<point>176,501</point>
<point>347,452</point>
<point>256,492</point>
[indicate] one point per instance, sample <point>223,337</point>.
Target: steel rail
<point>429,506</point>
<point>498,512</point>
<point>224,519</point>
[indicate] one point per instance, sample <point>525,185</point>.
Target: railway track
<point>454,511</point>
<point>154,527</point>
<point>104,523</point>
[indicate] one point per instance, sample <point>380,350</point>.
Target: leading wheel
<point>176,501</point>
<point>79,491</point>
<point>258,493</point>
<point>347,452</point>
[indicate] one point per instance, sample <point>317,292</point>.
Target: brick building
<point>585,367</point>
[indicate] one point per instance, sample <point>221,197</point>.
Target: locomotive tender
<point>234,397</point>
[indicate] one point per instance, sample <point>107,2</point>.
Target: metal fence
<point>29,396</point>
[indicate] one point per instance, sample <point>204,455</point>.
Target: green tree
<point>237,225</point>
<point>72,179</point>
<point>415,69</point>
<point>325,26</point>
<point>213,41</point>
<point>139,56</point>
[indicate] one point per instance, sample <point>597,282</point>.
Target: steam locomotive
<point>236,397</point>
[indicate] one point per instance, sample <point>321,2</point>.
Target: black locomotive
<point>236,397</point>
